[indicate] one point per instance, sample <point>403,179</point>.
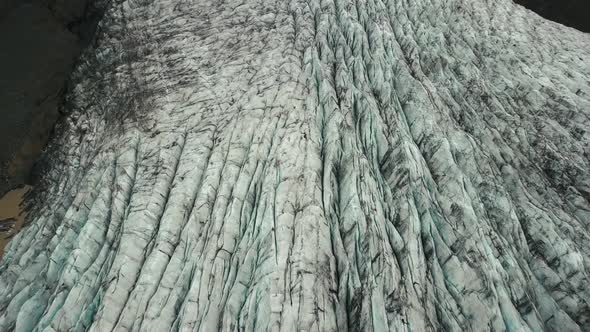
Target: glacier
<point>313,165</point>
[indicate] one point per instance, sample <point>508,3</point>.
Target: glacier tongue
<point>318,165</point>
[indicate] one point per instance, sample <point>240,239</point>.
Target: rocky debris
<point>314,166</point>
<point>6,225</point>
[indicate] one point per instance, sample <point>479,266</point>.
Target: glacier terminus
<point>313,165</point>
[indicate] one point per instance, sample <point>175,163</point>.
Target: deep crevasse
<point>314,166</point>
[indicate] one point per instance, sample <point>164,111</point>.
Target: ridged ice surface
<point>317,165</point>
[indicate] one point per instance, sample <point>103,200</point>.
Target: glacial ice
<point>317,165</point>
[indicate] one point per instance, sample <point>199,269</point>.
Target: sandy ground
<point>10,207</point>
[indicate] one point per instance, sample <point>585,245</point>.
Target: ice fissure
<point>314,165</point>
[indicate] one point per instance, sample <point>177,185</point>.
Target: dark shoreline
<point>572,13</point>
<point>42,40</point>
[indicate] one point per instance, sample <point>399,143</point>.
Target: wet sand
<point>10,207</point>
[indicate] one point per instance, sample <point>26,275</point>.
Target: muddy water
<point>11,207</point>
